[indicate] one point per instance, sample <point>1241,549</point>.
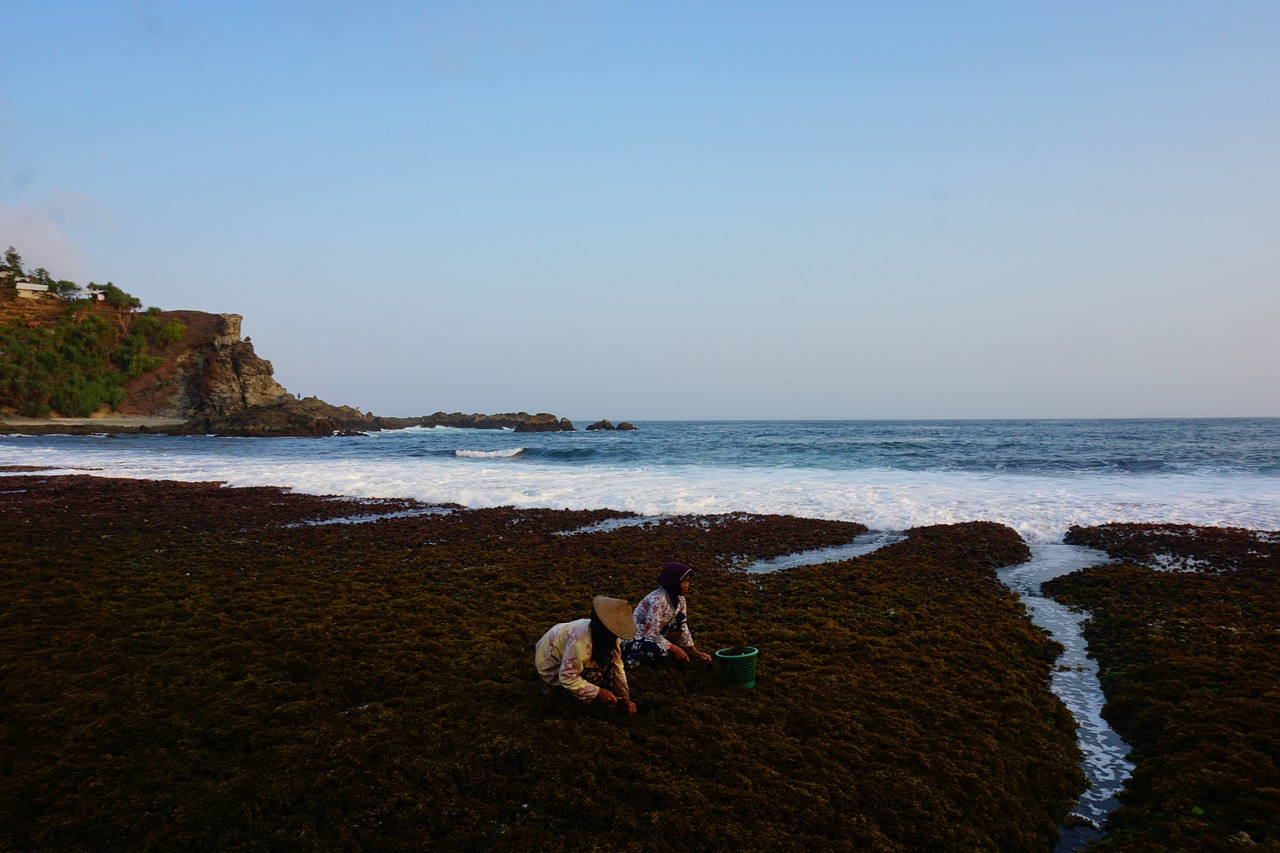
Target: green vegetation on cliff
<point>70,353</point>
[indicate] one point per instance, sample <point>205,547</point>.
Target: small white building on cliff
<point>31,290</point>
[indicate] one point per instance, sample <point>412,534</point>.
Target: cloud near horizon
<point>36,228</point>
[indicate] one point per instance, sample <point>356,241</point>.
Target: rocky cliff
<point>210,372</point>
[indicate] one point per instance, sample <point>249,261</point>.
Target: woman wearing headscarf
<point>584,658</point>
<point>662,620</point>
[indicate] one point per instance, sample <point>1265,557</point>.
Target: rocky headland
<point>210,381</point>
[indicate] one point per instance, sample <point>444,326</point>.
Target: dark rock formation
<point>290,417</point>
<point>626,426</point>
<point>544,422</point>
<point>518,421</point>
<point>602,425</point>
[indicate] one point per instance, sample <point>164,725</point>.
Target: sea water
<point>1038,477</point>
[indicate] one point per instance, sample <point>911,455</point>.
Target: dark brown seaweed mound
<point>1180,546</point>
<point>1190,663</point>
<point>181,671</point>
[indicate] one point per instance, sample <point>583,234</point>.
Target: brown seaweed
<point>184,671</point>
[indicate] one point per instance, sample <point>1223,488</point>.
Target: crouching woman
<point>662,620</point>
<point>584,658</point>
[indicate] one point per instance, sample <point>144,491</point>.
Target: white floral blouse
<point>655,617</point>
<point>563,658</point>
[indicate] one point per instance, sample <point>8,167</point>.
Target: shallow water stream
<point>1075,681</point>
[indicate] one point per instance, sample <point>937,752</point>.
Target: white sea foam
<point>1041,507</point>
<point>489,454</point>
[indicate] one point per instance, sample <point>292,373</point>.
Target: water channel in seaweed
<point>1075,677</point>
<point>1075,681</point>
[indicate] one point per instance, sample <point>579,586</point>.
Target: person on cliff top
<point>584,658</point>
<point>662,621</point>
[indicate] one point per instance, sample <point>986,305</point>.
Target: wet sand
<point>119,420</point>
<point>82,426</point>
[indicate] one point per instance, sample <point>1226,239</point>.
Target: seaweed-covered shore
<point>1187,636</point>
<point>188,666</point>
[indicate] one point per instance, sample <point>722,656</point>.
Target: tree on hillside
<point>13,261</point>
<point>11,268</point>
<point>117,298</point>
<point>58,287</point>
<point>122,304</point>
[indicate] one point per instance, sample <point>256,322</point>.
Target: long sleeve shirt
<point>563,658</point>
<point>656,617</point>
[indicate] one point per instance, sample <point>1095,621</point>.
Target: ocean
<point>1037,476</point>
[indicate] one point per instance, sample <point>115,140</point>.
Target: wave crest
<point>489,454</point>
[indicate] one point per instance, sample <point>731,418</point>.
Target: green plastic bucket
<point>738,666</point>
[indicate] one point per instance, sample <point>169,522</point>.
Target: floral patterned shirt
<point>563,658</point>
<point>655,617</point>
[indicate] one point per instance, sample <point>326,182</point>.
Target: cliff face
<point>210,371</point>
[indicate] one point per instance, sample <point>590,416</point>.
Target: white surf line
<point>859,547</point>
<point>377,516</point>
<point>1075,681</point>
<point>613,524</point>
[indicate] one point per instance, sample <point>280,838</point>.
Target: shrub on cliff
<point>80,359</point>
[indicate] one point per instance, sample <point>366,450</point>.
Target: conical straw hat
<point>616,616</point>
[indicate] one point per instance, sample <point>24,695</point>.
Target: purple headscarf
<point>669,579</point>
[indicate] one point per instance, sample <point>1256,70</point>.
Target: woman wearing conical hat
<point>584,658</point>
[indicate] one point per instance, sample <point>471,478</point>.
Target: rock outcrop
<point>210,372</point>
<point>608,425</point>
<point>292,417</point>
<point>518,421</point>
<point>545,423</point>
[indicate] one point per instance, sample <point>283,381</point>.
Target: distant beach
<point>52,424</point>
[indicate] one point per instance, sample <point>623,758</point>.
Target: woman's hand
<point>628,706</point>
<point>605,697</point>
<point>702,656</point>
<point>678,653</point>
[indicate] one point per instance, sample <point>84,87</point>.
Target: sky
<point>675,210</point>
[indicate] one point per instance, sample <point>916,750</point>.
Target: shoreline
<point>114,420</point>
<point>118,424</point>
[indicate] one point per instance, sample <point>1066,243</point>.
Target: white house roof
<point>31,285</point>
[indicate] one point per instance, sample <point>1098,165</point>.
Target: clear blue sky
<point>647,210</point>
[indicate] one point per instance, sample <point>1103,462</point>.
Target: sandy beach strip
<point>85,426</point>
<point>116,421</point>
